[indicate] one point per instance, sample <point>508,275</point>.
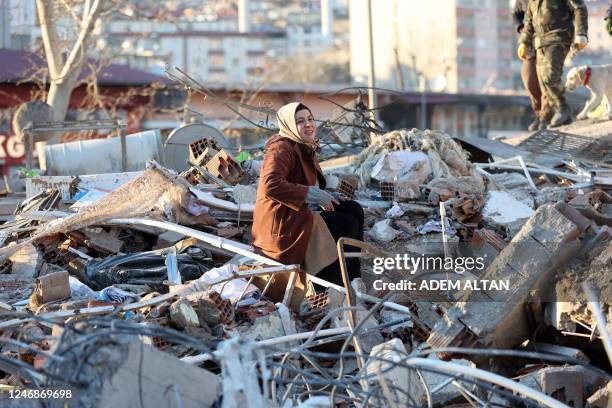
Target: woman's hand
<point>320,197</point>
<point>329,207</point>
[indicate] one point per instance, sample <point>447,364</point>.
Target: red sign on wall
<point>12,151</point>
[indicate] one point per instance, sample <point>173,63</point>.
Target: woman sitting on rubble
<point>288,224</point>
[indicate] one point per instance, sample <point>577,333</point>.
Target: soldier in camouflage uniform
<point>529,73</point>
<point>553,25</point>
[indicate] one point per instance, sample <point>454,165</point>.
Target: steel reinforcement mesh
<point>569,146</point>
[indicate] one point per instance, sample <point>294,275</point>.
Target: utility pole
<point>372,102</point>
<point>423,101</point>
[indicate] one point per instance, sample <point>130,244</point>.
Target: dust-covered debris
<point>151,293</point>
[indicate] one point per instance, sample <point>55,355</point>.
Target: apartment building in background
<point>231,41</point>
<point>441,46</point>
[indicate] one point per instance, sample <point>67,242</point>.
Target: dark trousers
<point>529,75</point>
<point>345,221</point>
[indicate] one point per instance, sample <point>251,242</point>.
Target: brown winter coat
<point>282,221</point>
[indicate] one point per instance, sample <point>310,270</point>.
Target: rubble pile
<point>147,293</point>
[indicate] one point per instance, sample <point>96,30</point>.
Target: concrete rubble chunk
<point>448,393</point>
<point>251,331</point>
<point>382,231</point>
<point>26,262</point>
<point>183,315</point>
<point>502,208</point>
<point>265,327</point>
<point>206,308</point>
<point>381,366</point>
<point>528,263</point>
<point>100,239</point>
<point>168,238</point>
<point>568,384</point>
<point>372,338</point>
<point>158,378</point>
<point>54,286</point>
<point>602,398</point>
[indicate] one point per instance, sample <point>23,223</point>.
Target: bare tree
<point>65,67</point>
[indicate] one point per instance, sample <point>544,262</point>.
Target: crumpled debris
<point>383,232</point>
<point>116,295</point>
<point>233,289</point>
<point>395,211</point>
<point>446,157</point>
<point>436,226</point>
<point>503,208</point>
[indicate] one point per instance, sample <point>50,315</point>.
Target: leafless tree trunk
<point>64,69</point>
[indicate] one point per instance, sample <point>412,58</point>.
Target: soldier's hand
<point>581,42</point>
<point>522,51</point>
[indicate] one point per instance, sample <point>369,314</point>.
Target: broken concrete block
<point>546,241</point>
<point>265,327</point>
<point>382,366</point>
<point>197,148</point>
<point>101,240</point>
<point>447,394</point>
<point>510,180</point>
<point>566,383</point>
<point>223,166</point>
<point>501,208</point>
<point>402,164</point>
<point>26,262</point>
<point>183,315</point>
<point>167,239</point>
<point>467,207</point>
<point>549,195</point>
<point>152,378</point>
<point>387,190</point>
<point>602,397</point>
<point>348,186</point>
<point>211,308</point>
<point>54,286</point>
<point>244,194</point>
<point>368,341</point>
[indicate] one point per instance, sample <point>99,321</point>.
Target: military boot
<point>535,125</point>
<point>543,123</point>
<point>562,117</point>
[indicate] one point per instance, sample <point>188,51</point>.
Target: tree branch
<point>77,54</point>
<point>51,42</point>
<point>70,10</point>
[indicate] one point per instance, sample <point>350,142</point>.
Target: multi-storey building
<point>442,45</point>
<point>210,51</point>
<point>17,19</point>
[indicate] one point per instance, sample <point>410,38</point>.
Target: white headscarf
<point>287,126</point>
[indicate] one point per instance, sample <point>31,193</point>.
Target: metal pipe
<point>200,358</point>
<point>212,201</point>
<point>570,176</point>
<point>214,240</point>
<point>350,298</point>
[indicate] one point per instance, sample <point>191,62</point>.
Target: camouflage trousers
<point>549,64</point>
